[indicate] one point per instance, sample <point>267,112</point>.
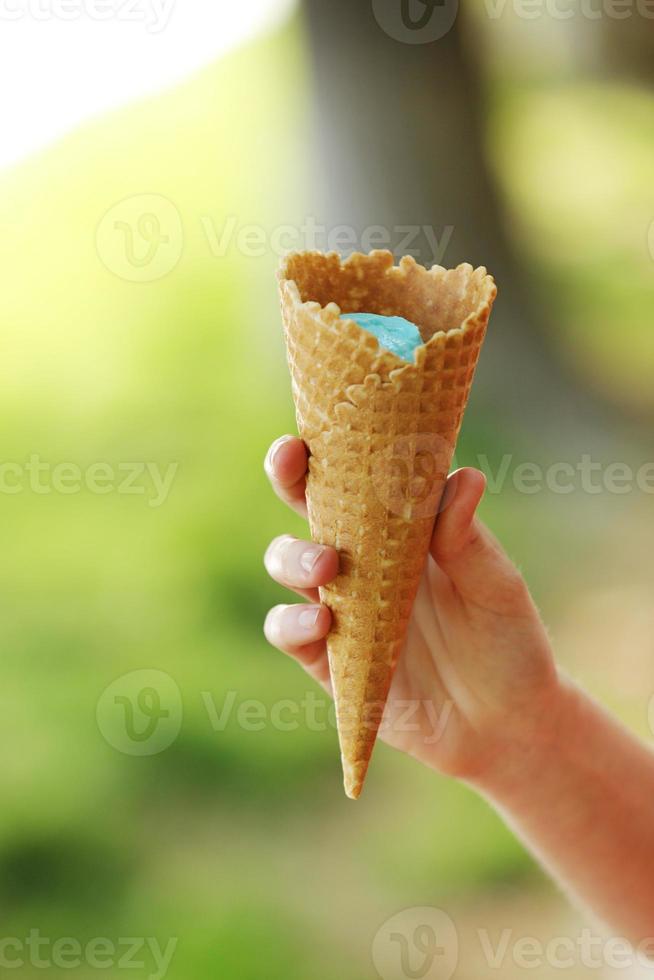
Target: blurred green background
<point>236,838</point>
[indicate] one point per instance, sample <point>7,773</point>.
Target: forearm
<point>583,802</point>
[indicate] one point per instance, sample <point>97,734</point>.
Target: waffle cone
<point>381,434</point>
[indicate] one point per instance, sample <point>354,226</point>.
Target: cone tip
<point>354,775</point>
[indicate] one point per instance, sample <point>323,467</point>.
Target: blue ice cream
<point>394,333</point>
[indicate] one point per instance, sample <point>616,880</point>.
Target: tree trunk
<point>400,141</point>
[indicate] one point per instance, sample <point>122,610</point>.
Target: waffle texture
<point>381,434</point>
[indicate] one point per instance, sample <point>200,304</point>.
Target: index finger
<point>286,466</point>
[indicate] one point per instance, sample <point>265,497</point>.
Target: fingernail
<point>309,557</point>
<point>272,452</point>
<point>309,617</point>
<point>449,494</point>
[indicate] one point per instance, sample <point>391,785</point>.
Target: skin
<point>494,710</point>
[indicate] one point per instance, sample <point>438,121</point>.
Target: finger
<point>467,552</point>
<point>463,493</point>
<point>300,631</point>
<point>301,565</point>
<point>286,466</point>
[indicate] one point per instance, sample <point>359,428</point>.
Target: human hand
<point>475,686</point>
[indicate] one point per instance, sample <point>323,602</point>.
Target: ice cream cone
<point>381,434</point>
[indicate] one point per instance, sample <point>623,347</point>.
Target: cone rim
<point>331,313</point>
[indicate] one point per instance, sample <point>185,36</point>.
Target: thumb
<point>468,553</point>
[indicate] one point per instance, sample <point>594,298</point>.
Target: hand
<point>475,686</point>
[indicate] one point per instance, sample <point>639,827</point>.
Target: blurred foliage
<point>574,162</point>
<point>188,369</point>
<point>195,842</point>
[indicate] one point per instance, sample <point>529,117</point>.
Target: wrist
<point>523,758</point>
